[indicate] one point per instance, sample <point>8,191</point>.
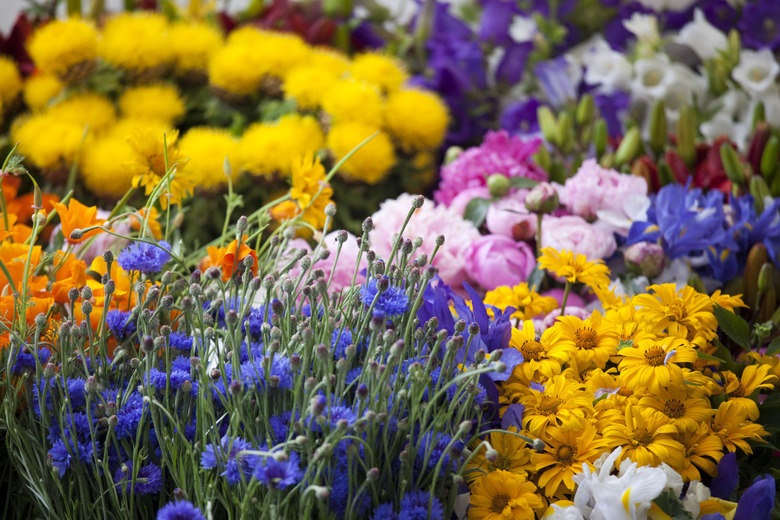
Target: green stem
<point>565,296</point>
<point>539,218</point>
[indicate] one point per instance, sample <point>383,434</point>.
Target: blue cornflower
<point>76,422</point>
<point>120,324</point>
<point>340,488</point>
<point>145,257</point>
<point>414,506</point>
<point>182,364</point>
<point>352,375</point>
<point>181,341</point>
<point>339,341</point>
<point>64,453</point>
<point>253,373</point>
<point>25,360</point>
<point>180,510</point>
<point>392,302</point>
<point>226,456</point>
<point>160,380</point>
<point>253,323</point>
<point>384,512</point>
<point>435,444</point>
<point>129,416</point>
<point>280,425</point>
<point>148,480</point>
<point>279,475</point>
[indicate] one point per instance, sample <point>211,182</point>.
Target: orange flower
<point>14,257</point>
<point>22,206</point>
<point>153,225</point>
<point>78,216</point>
<point>285,210</point>
<point>70,272</point>
<point>17,232</point>
<point>228,258</point>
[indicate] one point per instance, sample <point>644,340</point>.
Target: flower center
<point>501,463</point>
<point>674,409</point>
<point>565,454</point>
<point>532,350</point>
<point>499,503</point>
<point>625,391</point>
<point>675,312</point>
<point>586,338</point>
<point>549,405</point>
<point>653,78</point>
<point>642,437</point>
<point>655,356</point>
<point>757,73</point>
<point>739,391</point>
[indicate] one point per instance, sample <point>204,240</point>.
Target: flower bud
<point>732,164</point>
<point>73,294</point>
<point>180,494</point>
<point>86,307</point>
<point>766,277</point>
<point>658,132</point>
<point>645,258</point>
<point>372,475</point>
<point>548,125</point>
<point>330,209</point>
<point>599,137</point>
<point>542,199</point>
<point>629,147</point>
<point>769,158</point>
<point>235,387</point>
<point>585,110</point>
<point>687,129</point>
<point>498,185</point>
<point>453,152</point>
<point>491,454</point>
<point>76,234</point>
<point>760,191</point>
<point>539,445</point>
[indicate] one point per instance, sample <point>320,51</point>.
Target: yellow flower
<point>149,102</point>
<point>48,142</point>
<point>275,52</point>
<point>646,437</point>
<point>306,84</point>
<point>39,89</point>
<point>328,58</point>
<point>206,150</point>
<point>574,267</point>
<point>542,358</point>
<point>137,42</point>
<point>501,495</point>
<point>595,339</point>
<point>727,301</point>
<point>684,412</point>
<point>148,165</point>
<point>566,452</point>
<point>61,45</point>
<point>10,81</point>
<point>353,101</point>
<point>88,111</point>
<point>269,150</point>
<point>513,456</point>
<point>102,168</point>
<point>372,162</point>
<point>233,68</point>
<point>703,450</point>
<point>528,303</point>
<point>732,426</point>
<point>754,377</point>
<point>653,363</point>
<point>418,120</point>
<point>308,182</point>
<point>684,314</point>
<point>624,319</point>
<point>386,72</point>
<point>562,404</point>
<point>192,45</point>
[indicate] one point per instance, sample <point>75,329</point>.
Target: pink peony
<point>499,153</point>
<point>575,234</point>
<point>571,310</point>
<point>509,217</point>
<point>495,260</point>
<point>428,222</point>
<point>594,189</point>
<point>462,199</point>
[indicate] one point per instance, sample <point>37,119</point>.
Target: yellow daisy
<point>653,363</point>
<point>732,426</point>
<point>542,358</point>
<point>684,412</point>
<point>754,377</point>
<point>566,452</point>
<point>703,451</point>
<point>574,267</point>
<point>595,340</point>
<point>148,166</point>
<point>308,182</point>
<point>501,495</point>
<point>647,438</point>
<point>514,456</point>
<point>561,404</point>
<point>684,314</point>
<point>528,303</point>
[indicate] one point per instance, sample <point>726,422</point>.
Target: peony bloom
<point>427,222</point>
<point>500,153</point>
<point>574,234</point>
<point>509,217</point>
<point>594,189</point>
<point>495,260</point>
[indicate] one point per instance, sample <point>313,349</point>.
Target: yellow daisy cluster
<point>642,376</point>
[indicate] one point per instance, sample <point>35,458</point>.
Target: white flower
<point>723,124</point>
<point>634,209</point>
<point>771,100</point>
<point>652,76</point>
<point>704,38</point>
<point>667,5</point>
<point>683,87</point>
<point>556,512</point>
<point>696,494</point>
<point>756,71</point>
<point>607,67</point>
<point>522,29</point>
<point>644,27</point>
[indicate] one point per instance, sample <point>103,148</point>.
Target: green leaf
<point>476,210</point>
<point>773,347</point>
<point>702,355</point>
<point>671,504</point>
<point>522,182</point>
<point>535,278</point>
<point>735,327</point>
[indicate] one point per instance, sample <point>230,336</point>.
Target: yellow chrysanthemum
<point>148,166</point>
<point>646,438</point>
<point>137,41</point>
<point>352,101</point>
<point>528,303</point>
<point>269,150</point>
<point>152,102</point>
<point>562,404</point>
<point>39,89</point>
<point>566,452</point>
<point>10,81</point>
<point>732,426</point>
<point>386,72</point>
<point>653,364</point>
<point>372,162</point>
<point>88,111</point>
<point>624,319</point>
<point>309,190</point>
<point>233,69</point>
<point>684,412</point>
<point>418,120</point>
<point>328,58</point>
<point>103,169</point>
<point>727,301</point>
<point>574,267</point>
<point>501,495</point>
<point>206,150</point>
<point>514,456</point>
<point>542,358</point>
<point>256,53</point>
<point>307,84</point>
<point>595,339</point>
<point>48,142</point>
<point>192,45</point>
<point>703,450</point>
<point>62,46</point>
<point>684,314</point>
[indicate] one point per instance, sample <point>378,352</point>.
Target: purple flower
<point>181,341</point>
<point>520,118</point>
<point>512,65</point>
<point>612,107</point>
<point>760,25</point>
<point>120,324</point>
<point>64,452</point>
<point>719,13</point>
<point>415,505</point>
<point>25,360</point>
<point>226,455</point>
<point>726,482</point>
<point>148,480</point>
<point>555,80</point>
<point>758,501</point>
<point>279,475</point>
<point>145,257</point>
<point>253,373</point>
<point>496,18</point>
<point>129,416</point>
<point>433,448</point>
<point>384,512</point>
<point>180,510</point>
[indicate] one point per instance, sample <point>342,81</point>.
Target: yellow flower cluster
<point>642,376</point>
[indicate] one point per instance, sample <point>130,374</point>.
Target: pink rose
<point>510,218</point>
<point>594,189</point>
<point>574,234</point>
<point>495,260</point>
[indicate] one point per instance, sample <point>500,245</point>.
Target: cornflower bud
<point>195,277</point>
<point>76,234</point>
<point>309,384</point>
<point>539,445</point>
<point>242,224</point>
<point>473,329</point>
<point>166,301</point>
<point>135,363</point>
<point>231,317</point>
<point>159,342</point>
<point>479,356</point>
<point>235,387</point>
<point>496,355</point>
<point>180,494</point>
<point>248,261</point>
<point>277,308</point>
<point>109,287</point>
<point>186,303</point>
<point>86,307</point>
<point>491,454</point>
<point>91,386</point>
<point>215,373</point>
<point>186,387</point>
<point>73,294</point>
<point>195,290</point>
<point>40,320</point>
<point>215,273</point>
<point>49,370</point>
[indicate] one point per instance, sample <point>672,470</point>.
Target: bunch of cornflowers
<point>250,383</point>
